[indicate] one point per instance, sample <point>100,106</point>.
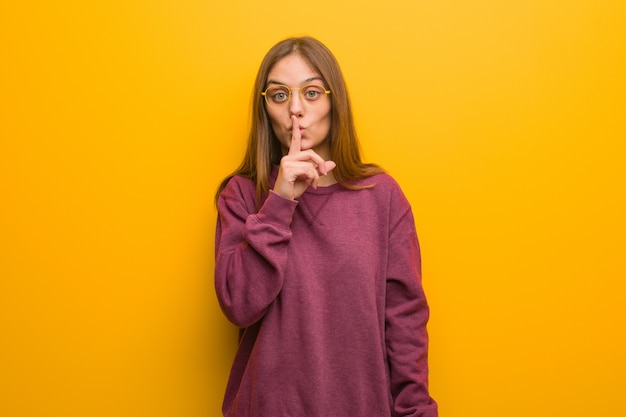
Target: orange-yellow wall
<point>503,121</point>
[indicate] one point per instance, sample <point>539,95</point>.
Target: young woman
<point>317,258</point>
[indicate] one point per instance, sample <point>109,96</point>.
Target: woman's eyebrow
<point>308,80</point>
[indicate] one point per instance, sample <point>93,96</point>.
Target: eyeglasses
<point>279,95</point>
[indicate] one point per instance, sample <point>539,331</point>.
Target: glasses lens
<point>277,95</point>
<point>313,94</point>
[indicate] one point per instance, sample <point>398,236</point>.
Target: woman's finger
<point>294,146</point>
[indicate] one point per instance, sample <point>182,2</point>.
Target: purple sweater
<point>328,290</point>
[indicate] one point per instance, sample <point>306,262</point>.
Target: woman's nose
<point>295,104</point>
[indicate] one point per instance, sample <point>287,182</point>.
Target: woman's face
<point>313,114</point>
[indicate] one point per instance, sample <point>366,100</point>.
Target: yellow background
<point>502,120</point>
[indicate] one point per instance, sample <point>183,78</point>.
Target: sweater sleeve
<point>406,317</point>
<point>251,253</point>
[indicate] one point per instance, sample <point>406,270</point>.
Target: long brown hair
<point>264,149</point>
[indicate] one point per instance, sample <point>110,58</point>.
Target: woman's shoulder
<point>382,181</point>
<point>238,187</point>
<point>385,188</point>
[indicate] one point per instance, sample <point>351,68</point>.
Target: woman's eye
<point>280,96</point>
<point>312,93</point>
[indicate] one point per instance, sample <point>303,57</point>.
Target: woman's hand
<point>299,169</point>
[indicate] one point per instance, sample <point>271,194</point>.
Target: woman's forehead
<point>292,69</point>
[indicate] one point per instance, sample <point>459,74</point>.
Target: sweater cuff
<point>277,210</point>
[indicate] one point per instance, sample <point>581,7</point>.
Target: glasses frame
<point>290,89</point>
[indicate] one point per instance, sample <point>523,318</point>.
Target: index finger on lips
<point>294,146</point>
